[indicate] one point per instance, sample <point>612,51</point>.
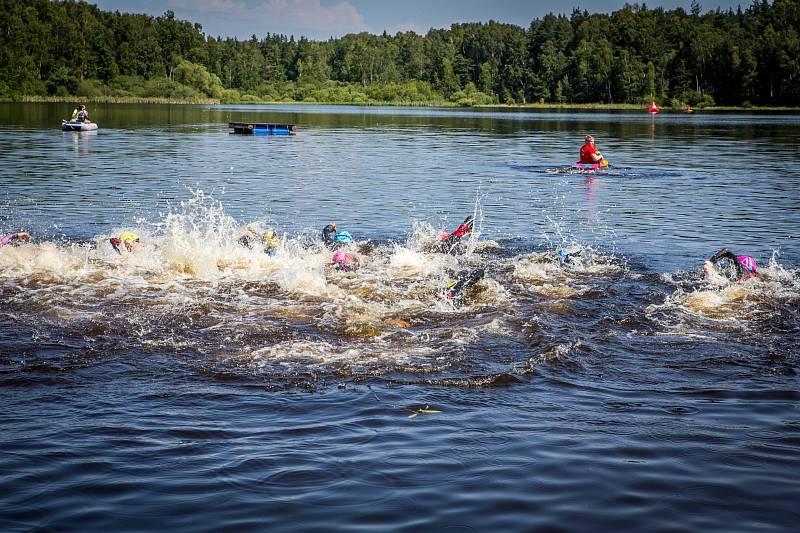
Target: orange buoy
<point>654,108</point>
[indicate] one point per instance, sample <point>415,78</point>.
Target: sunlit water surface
<point>196,384</point>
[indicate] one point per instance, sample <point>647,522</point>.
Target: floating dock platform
<point>254,128</point>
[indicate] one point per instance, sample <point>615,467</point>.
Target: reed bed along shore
<point>543,106</point>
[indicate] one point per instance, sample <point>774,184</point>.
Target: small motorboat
<point>68,125</point>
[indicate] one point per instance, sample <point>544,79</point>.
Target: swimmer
<point>128,238</point>
<point>344,262</point>
<point>269,240</point>
<point>15,238</point>
<point>734,267</point>
<point>449,242</point>
<point>333,238</point>
<point>567,256</point>
<point>457,289</point>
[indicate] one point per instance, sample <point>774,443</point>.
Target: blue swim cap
<point>343,236</point>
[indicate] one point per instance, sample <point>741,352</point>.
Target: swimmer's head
<point>130,240</point>
<point>128,236</point>
<point>329,234</point>
<point>342,258</point>
<point>748,263</point>
<point>270,239</point>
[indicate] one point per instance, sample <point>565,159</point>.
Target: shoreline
<point>636,107</point>
<point>538,106</point>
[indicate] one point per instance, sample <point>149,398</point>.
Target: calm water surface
<point>199,385</point>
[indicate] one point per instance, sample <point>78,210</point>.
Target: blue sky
<point>321,19</point>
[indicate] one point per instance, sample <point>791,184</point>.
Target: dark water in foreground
<point>199,385</point>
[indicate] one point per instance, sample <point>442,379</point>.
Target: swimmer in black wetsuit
<point>457,289</point>
<point>568,256</point>
<point>449,243</point>
<point>269,239</point>
<point>734,267</point>
<point>333,238</point>
<point>344,262</point>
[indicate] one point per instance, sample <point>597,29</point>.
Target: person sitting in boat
<point>334,239</point>
<point>127,238</point>
<point>734,267</point>
<point>83,115</point>
<point>449,243</point>
<point>589,152</point>
<point>75,111</point>
<point>269,240</point>
<point>457,288</point>
<point>15,238</point>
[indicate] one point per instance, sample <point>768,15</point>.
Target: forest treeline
<point>750,56</point>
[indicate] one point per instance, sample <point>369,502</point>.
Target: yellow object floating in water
<point>426,409</point>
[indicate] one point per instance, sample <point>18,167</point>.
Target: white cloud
<point>407,26</point>
<point>298,17</point>
<point>210,6</point>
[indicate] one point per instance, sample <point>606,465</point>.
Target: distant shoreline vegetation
<point>719,59</point>
<point>211,101</point>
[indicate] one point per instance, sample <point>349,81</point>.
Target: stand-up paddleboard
<point>590,166</point>
<point>67,125</point>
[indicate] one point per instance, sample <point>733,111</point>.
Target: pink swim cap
<point>341,258</point>
<point>748,262</point>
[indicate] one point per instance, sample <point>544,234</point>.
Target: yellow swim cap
<point>270,238</point>
<point>128,236</point>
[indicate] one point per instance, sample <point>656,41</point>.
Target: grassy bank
<point>630,107</point>
<point>752,108</point>
<point>214,101</point>
<point>117,99</point>
<point>192,84</point>
<point>639,107</point>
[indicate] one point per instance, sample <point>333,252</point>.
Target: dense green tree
<point>198,77</point>
<point>634,54</point>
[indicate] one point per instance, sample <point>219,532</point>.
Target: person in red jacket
<point>589,152</point>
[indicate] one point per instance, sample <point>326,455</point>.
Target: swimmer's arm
<point>23,236</point>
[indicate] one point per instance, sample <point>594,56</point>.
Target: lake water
<point>198,384</point>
